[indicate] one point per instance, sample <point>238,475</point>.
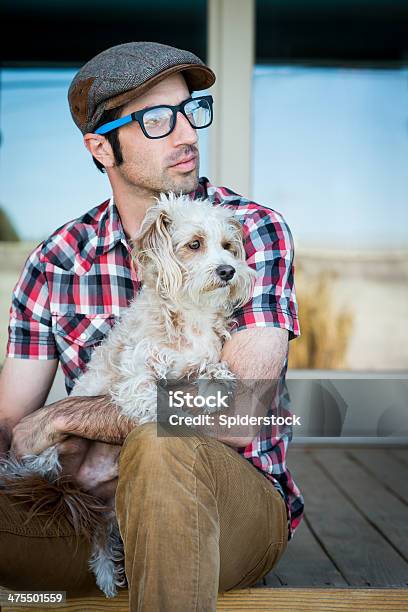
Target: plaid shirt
<point>76,284</point>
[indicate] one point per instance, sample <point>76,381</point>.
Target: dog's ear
<point>238,238</point>
<point>153,247</point>
<point>156,221</point>
<point>240,294</point>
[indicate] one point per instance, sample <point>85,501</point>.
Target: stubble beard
<point>169,180</point>
<point>183,183</point>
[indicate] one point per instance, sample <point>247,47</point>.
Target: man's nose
<point>183,133</point>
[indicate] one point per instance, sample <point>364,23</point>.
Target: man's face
<point>152,164</point>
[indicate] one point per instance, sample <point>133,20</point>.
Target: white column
<point>231,52</point>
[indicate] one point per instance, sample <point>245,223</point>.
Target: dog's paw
<point>218,371</point>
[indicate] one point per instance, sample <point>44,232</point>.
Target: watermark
<point>233,421</point>
<point>181,399</point>
<point>221,408</point>
<point>32,599</point>
<point>348,405</point>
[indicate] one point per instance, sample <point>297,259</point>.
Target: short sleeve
<point>270,251</point>
<point>30,332</point>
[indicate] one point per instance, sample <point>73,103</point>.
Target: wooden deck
<point>265,600</point>
<point>350,551</point>
<point>355,530</point>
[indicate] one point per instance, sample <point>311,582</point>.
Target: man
<point>196,514</point>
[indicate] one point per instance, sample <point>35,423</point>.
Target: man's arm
<point>255,354</point>
<point>24,386</point>
<point>94,418</point>
<point>258,348</point>
<point>28,373</point>
<point>73,423</point>
<point>26,427</point>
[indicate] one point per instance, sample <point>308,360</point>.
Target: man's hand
<point>92,465</point>
<point>35,432</point>
<point>88,432</point>
<point>95,418</point>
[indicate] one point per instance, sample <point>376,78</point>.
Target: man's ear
<point>100,148</point>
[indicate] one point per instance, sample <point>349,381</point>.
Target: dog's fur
<point>174,329</point>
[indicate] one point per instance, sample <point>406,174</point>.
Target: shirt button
<point>82,336</point>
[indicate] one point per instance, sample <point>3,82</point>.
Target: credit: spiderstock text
<point>232,421</point>
<point>231,408</point>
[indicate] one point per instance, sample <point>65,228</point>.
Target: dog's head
<point>191,251</point>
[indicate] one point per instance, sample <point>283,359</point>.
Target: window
<point>330,151</point>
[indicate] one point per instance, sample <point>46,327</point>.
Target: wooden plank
<point>265,600</point>
<point>381,464</point>
<point>362,555</point>
<point>385,511</point>
<point>314,600</point>
<point>305,564</point>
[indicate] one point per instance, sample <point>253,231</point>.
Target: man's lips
<point>187,163</point>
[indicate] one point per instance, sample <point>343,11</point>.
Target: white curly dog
<point>190,256</point>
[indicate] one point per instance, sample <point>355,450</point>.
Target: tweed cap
<point>122,73</point>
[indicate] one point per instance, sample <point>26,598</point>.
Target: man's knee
<point>153,465</point>
<point>142,440</point>
<point>157,438</point>
<point>147,431</point>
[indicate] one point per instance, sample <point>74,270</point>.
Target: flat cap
<point>121,73</point>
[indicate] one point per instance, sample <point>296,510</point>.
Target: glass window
<point>330,152</point>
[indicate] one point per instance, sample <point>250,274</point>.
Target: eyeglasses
<point>160,121</point>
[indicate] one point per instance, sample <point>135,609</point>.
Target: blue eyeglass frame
<point>138,116</point>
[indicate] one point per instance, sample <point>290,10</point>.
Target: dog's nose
<point>225,272</point>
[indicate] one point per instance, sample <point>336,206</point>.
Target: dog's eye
<point>227,246</point>
<point>194,245</point>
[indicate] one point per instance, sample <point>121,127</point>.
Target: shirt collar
<point>110,229</point>
<point>201,191</point>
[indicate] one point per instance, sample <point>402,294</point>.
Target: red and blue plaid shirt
<point>76,284</point>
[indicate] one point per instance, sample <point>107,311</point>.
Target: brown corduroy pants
<point>195,517</point>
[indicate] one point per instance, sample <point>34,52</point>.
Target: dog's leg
<point>216,377</point>
<point>218,371</point>
<point>135,391</point>
<point>137,399</point>
<point>107,559</point>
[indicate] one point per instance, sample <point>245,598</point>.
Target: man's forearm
<point>248,398</point>
<point>265,350</point>
<point>241,423</point>
<point>95,418</point>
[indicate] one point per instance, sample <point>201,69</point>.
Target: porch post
<point>231,51</point>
